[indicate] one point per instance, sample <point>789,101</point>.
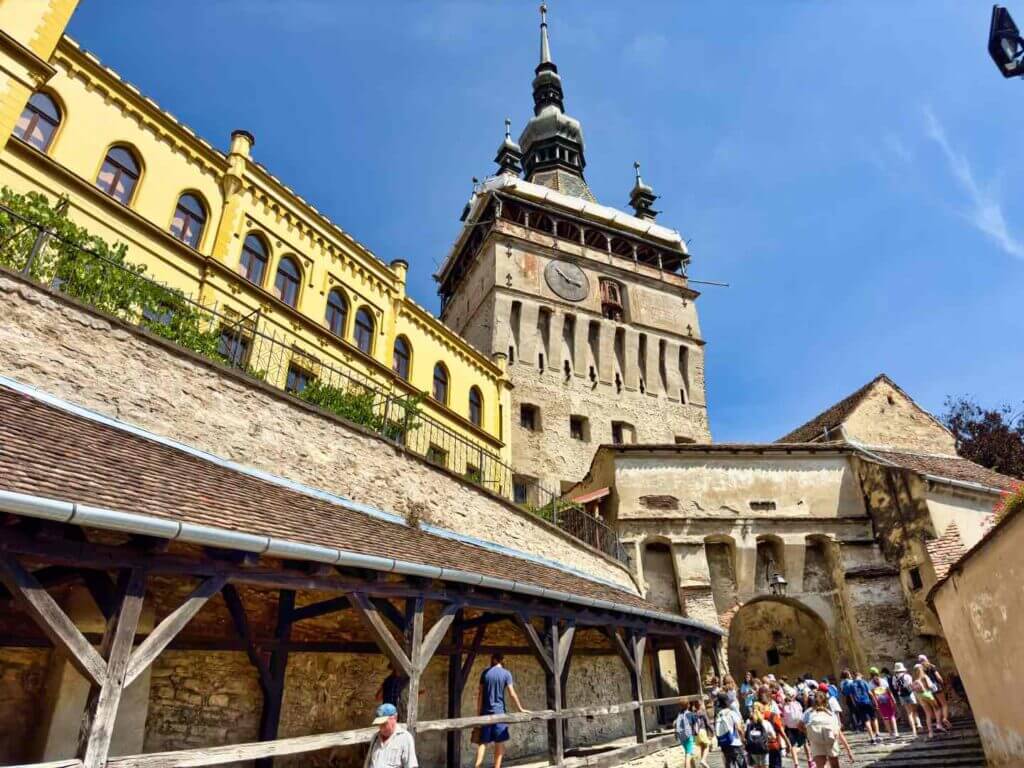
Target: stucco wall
<point>49,342</point>
<point>22,680</point>
<point>972,514</point>
<point>981,607</point>
<point>714,486</point>
<point>887,417</point>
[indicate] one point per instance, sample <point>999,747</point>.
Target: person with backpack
<point>824,734</point>
<point>686,731</point>
<point>864,706</point>
<point>702,729</point>
<point>771,712</point>
<point>846,690</point>
<point>938,688</point>
<point>759,733</point>
<point>903,690</point>
<point>729,733</point>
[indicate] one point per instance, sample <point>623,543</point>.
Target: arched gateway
<point>781,636</point>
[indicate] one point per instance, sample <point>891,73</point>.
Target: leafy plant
<point>1011,502</point>
<point>358,404</point>
<point>992,437</point>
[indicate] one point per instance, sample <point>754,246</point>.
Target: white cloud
<point>986,210</point>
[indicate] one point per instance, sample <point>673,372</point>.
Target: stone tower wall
<point>567,359</point>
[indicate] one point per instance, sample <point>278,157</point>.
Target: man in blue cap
<point>392,745</point>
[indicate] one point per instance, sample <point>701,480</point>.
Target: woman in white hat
<point>903,689</point>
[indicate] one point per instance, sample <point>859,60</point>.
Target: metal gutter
<point>129,522</point>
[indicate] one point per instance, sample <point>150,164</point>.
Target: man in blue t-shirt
<point>494,682</point>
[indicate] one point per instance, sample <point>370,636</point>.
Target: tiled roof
<point>945,550</point>
<point>48,451</point>
<point>948,467</point>
<point>832,417</point>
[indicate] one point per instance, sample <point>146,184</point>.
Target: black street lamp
<point>1004,43</point>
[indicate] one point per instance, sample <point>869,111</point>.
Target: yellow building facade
<point>301,295</point>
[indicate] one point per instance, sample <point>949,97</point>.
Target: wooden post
<point>116,647</point>
<point>270,719</point>
<point>637,646</point>
<point>453,739</point>
<point>553,691</point>
<point>566,647</point>
<point>413,642</point>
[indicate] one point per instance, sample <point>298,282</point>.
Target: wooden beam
<point>565,654</point>
<point>168,629</point>
<point>101,708</point>
<point>241,622</point>
<point>390,612</point>
<point>474,649</point>
<point>51,619</point>
<point>536,644</point>
<point>620,647</point>
<point>381,634</point>
<point>553,694</point>
<point>637,645</point>
<point>270,717</point>
<point>436,634</point>
<point>322,608</point>
<point>453,739</point>
<point>190,758</point>
<point>414,645</point>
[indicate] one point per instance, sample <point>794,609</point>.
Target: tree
<point>992,437</point>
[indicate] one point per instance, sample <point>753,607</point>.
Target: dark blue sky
<point>848,167</point>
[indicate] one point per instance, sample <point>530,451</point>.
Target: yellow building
<point>296,296</point>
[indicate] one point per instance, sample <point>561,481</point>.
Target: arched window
<point>253,263</point>
<point>364,330</point>
<point>119,174</point>
<point>402,358</point>
<point>337,312</point>
<point>286,282</point>
<point>38,122</point>
<point>189,220</point>
<point>476,406</point>
<point>440,390</point>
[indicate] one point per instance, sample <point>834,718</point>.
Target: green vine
<point>359,404</point>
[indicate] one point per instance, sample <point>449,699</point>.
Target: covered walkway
<point>184,552</point>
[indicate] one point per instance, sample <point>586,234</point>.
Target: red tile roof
<point>949,467</point>
<point>49,451</point>
<point>945,550</point>
<point>832,416</point>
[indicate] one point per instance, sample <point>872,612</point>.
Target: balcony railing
<point>100,277</point>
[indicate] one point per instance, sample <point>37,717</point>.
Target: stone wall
<point>500,307</point>
<point>22,681</point>
<point>211,698</point>
<point>74,353</point>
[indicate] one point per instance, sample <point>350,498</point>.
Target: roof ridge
<point>842,408</point>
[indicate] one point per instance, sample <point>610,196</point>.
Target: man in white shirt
<point>392,745</point>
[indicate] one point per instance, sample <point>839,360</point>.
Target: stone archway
<point>781,636</point>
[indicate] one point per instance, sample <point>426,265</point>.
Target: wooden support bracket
<point>381,634</point>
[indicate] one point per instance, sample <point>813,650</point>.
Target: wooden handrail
<point>197,758</point>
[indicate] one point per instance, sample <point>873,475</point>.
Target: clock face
<point>567,280</point>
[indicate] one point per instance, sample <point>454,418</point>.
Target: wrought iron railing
<point>250,343</point>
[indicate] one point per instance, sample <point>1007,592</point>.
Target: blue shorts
<point>493,734</point>
<point>689,745</point>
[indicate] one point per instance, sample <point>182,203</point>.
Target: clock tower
<point>590,305</point>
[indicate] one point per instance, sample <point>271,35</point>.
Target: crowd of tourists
<point>763,720</point>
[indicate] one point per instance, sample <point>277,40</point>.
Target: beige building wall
<point>971,512</point>
<point>981,607</point>
<point>887,417</point>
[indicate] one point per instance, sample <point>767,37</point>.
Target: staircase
<point>959,748</point>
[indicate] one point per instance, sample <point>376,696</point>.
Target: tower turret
<point>552,141</point>
<point>510,156</point>
<point>642,197</point>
